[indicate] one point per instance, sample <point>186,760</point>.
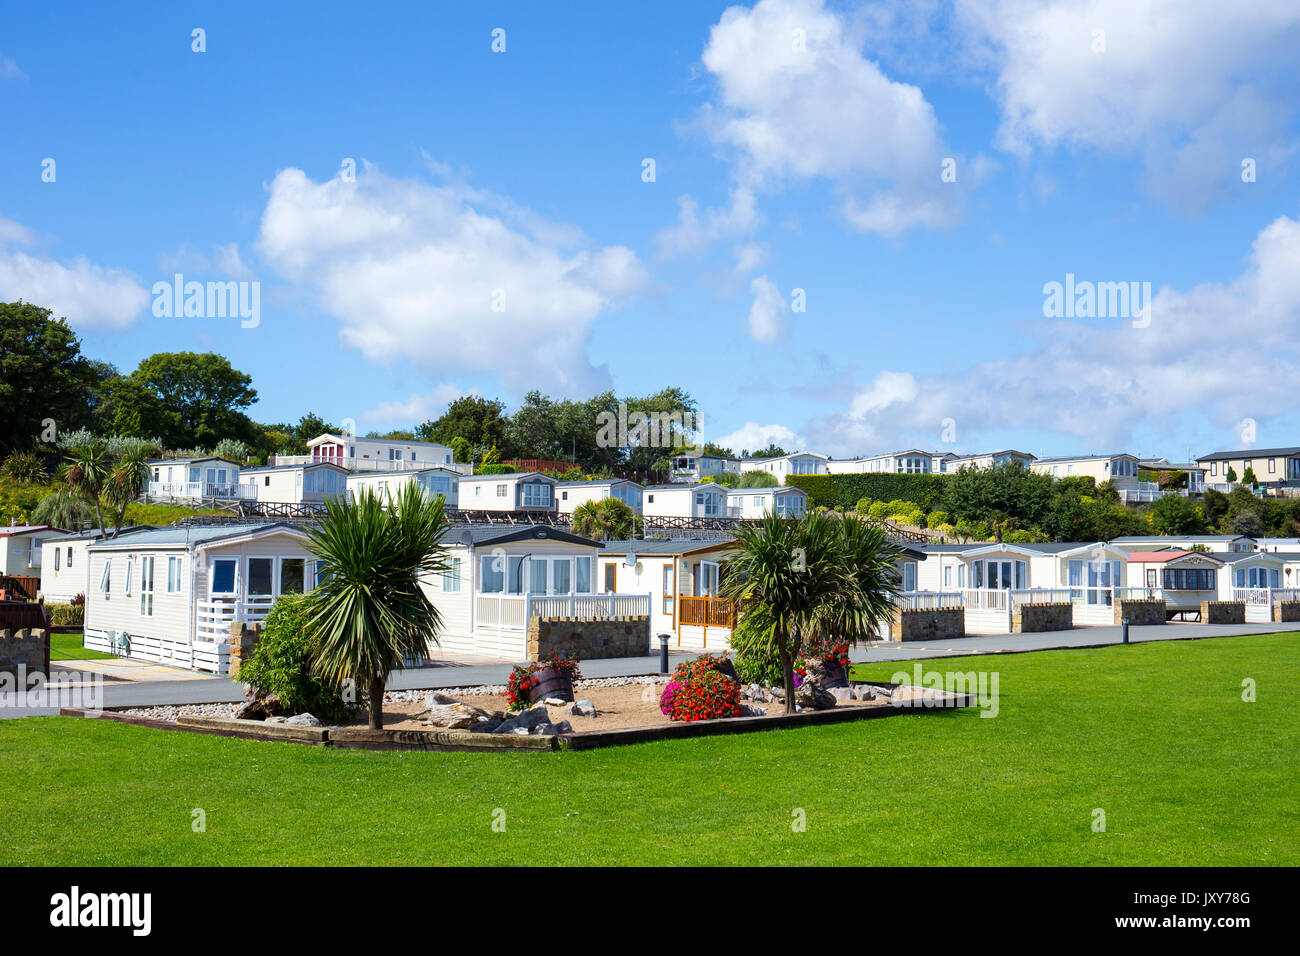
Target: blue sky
<point>807,138</point>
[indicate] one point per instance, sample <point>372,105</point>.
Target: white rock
<point>304,720</point>
<point>583,708</point>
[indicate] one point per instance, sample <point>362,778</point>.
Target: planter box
<point>550,683</point>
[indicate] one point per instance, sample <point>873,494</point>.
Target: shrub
<point>522,680</point>
<point>280,665</point>
<point>863,506</point>
<point>24,466</point>
<point>936,519</point>
<point>759,479</point>
<point>878,510</point>
<point>757,661</point>
<point>845,490</point>
<point>497,469</point>
<point>699,691</point>
<point>64,614</point>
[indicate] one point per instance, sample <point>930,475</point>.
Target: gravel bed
<point>172,711</point>
<point>496,690</point>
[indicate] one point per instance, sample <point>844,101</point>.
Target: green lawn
<point>1155,734</point>
<point>67,647</point>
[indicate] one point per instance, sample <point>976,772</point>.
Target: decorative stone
<point>303,720</point>
<point>583,708</point>
<point>450,716</point>
<point>841,694</point>
<point>752,710</point>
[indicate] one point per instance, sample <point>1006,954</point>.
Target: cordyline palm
<point>871,564</point>
<point>607,520</point>
<point>794,573</point>
<point>87,472</point>
<point>128,477</point>
<point>368,612</point>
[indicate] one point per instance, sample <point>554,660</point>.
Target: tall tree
<point>44,378</point>
<point>480,421</point>
<point>205,395</point>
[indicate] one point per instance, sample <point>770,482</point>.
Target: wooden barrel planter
<point>837,675</point>
<point>551,683</point>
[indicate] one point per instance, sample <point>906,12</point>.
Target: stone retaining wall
<point>1223,612</point>
<point>243,638</point>
<point>588,638</point>
<point>28,649</point>
<point>1140,612</point>
<point>1045,616</point>
<point>927,624</point>
<point>1286,611</point>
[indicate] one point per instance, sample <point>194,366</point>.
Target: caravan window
<point>223,575</point>
<point>259,577</point>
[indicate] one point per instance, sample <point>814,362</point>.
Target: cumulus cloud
<point>767,312</point>
<point>694,232</point>
<point>1190,90</point>
<point>445,277</point>
<point>797,99</point>
<point>1205,351</point>
<point>92,297</point>
<point>754,437</point>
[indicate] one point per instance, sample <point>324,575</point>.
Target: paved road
<point>189,689</point>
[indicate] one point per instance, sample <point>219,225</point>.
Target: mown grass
<point>1157,735</point>
<point>69,647</point>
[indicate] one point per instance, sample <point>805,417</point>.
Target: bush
<point>24,466</point>
<point>64,614</point>
<point>844,491</point>
<point>878,510</point>
<point>699,690</point>
<point>863,506</point>
<point>759,479</point>
<point>936,519</point>
<point>757,661</point>
<point>497,469</point>
<point>280,665</point>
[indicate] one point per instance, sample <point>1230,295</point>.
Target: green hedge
<point>844,491</point>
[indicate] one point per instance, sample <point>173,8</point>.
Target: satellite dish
<point>630,560</point>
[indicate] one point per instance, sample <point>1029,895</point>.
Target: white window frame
<point>146,585</point>
<point>173,561</point>
<point>248,567</point>
<point>451,576</point>
<point>106,577</point>
<point>130,570</point>
<point>212,576</point>
<point>308,573</point>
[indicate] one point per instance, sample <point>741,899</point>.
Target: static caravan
<point>987,460</point>
<point>171,594</point>
<point>295,484</point>
<point>1183,578</point>
<point>911,461</point>
<point>1218,543</point>
<point>1258,580</point>
<point>529,491</point>
<point>704,500</point>
<point>993,578</point>
<point>65,565</point>
<point>376,454</point>
<point>499,578</point>
<point>193,478</point>
<point>570,494</point>
<point>681,578</point>
<point>388,484</point>
<point>800,463</point>
<point>757,502</point>
<point>20,547</point>
<point>693,466</point>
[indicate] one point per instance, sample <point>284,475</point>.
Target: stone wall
<point>1140,612</point>
<point>243,638</point>
<point>588,638</point>
<point>930,624</point>
<point>1044,616</point>
<point>1223,612</point>
<point>28,648</point>
<point>1286,610</point>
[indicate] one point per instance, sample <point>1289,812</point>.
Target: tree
<point>757,479</point>
<point>1174,514</point>
<point>313,426</point>
<point>89,470</point>
<point>44,378</point>
<point>129,475</point>
<point>369,612</point>
<point>1248,523</point>
<point>606,520</point>
<point>203,394</point>
<point>1248,477</point>
<point>797,576</point>
<point>1232,475</point>
<point>63,508</point>
<point>773,450</point>
<point>479,421</point>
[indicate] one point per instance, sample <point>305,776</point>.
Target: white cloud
<point>413,271</point>
<point>9,70</point>
<point>91,297</point>
<point>750,256</point>
<point>768,311</point>
<point>754,437</point>
<point>417,408</point>
<point>798,100</point>
<point>1191,90</point>
<point>693,233</point>
<point>1205,352</point>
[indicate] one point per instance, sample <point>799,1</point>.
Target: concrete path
<point>185,687</point>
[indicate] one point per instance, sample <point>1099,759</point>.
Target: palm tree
<point>368,613</point>
<point>126,481</point>
<point>793,573</point>
<point>62,508</point>
<point>871,563</point>
<point>607,520</point>
<point>88,471</point>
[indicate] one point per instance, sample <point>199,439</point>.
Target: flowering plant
<point>700,690</point>
<point>523,678</point>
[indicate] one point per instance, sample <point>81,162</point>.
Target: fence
<point>514,611</point>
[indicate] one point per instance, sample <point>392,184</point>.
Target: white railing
<point>200,489</point>
<point>213,618</point>
<point>1256,596</point>
<point>1285,594</point>
<point>1038,596</point>
<point>372,464</point>
<point>1145,491</point>
<point>1139,594</point>
<point>985,599</point>
<point>927,600</point>
<point>514,611</point>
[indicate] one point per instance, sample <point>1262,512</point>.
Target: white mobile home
<point>20,547</point>
<point>376,454</point>
<point>911,461</point>
<point>171,594</point>
<point>295,484</point>
<point>800,463</point>
<point>1257,580</point>
<point>192,478</point>
<point>704,500</point>
<point>986,460</point>
<point>1217,543</point>
<point>570,494</point>
<point>756,502</point>
<point>527,491</point>
<point>1183,578</point>
<point>498,578</point>
<point>694,466</point>
<point>388,484</point>
<point>65,565</point>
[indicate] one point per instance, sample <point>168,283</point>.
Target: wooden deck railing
<point>20,586</point>
<point>705,612</point>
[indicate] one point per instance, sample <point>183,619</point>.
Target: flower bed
<point>524,679</point>
<point>701,689</point>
